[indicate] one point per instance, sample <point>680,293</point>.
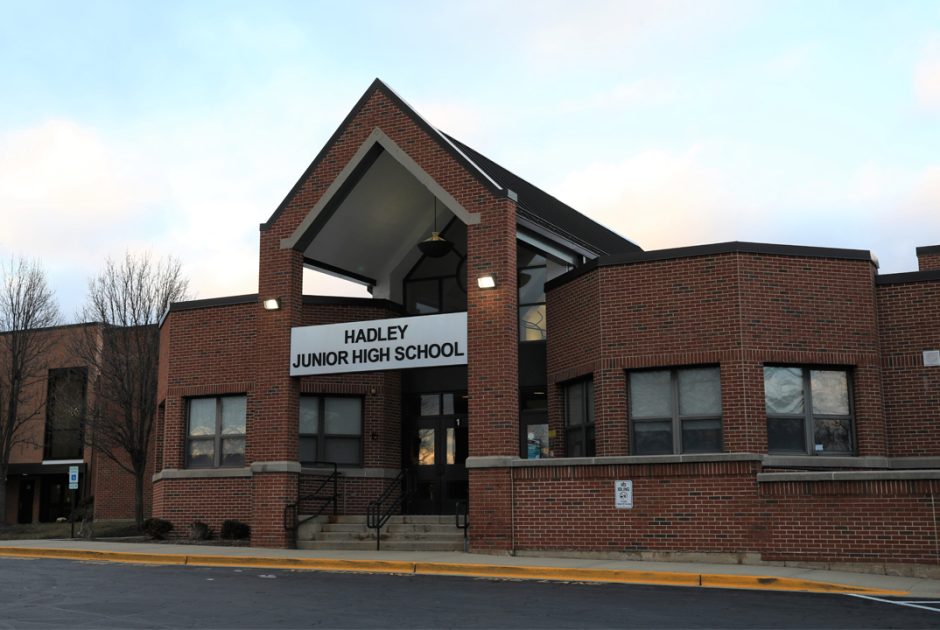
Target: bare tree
<point>128,298</point>
<point>27,305</point>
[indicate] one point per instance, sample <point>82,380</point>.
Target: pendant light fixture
<point>436,246</point>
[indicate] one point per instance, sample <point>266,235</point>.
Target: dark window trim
<point>809,418</point>
<point>588,426</point>
<point>321,435</point>
<point>217,437</point>
<point>677,418</point>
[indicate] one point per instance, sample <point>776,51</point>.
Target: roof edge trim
<point>713,249</point>
<point>930,275</point>
<point>443,141</point>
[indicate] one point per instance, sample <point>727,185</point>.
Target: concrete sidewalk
<point>767,577</point>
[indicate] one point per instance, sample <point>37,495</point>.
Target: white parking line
<point>906,604</point>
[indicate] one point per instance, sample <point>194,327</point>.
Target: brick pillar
<point>272,411</point>
<point>928,258</point>
<point>492,373</point>
<point>610,412</point>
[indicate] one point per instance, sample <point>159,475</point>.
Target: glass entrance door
<point>437,452</point>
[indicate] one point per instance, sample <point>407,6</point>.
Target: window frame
<point>321,436</point>
<point>586,428</point>
<point>677,419</point>
<point>809,418</point>
<point>217,438</point>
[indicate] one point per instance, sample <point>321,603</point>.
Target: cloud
<point>662,199</point>
<point>793,60</point>
<point>640,93</point>
<point>196,189</point>
<point>927,77</point>
<point>602,33</point>
<point>658,199</point>
<point>60,184</point>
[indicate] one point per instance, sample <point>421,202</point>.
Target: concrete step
<point>398,519</point>
<point>418,528</point>
<point>344,527</point>
<point>387,545</point>
<point>370,534</point>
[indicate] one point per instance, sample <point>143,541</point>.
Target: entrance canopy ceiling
<point>377,225</point>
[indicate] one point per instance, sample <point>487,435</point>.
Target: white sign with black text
<point>379,344</point>
<point>623,494</point>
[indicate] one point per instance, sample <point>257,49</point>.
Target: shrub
<point>156,528</point>
<point>235,530</point>
<point>83,511</point>
<point>200,531</point>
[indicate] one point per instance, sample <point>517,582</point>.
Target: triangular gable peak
<point>369,196</point>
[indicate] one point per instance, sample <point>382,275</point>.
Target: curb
<point>662,578</point>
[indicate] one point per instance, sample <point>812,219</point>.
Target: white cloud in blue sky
<point>179,126</point>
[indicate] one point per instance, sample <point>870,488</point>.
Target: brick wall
<point>928,258</point>
<point>353,493</point>
<point>867,521</point>
<point>720,508</point>
<point>211,501</point>
<point>740,310</point>
<point>735,310</point>
<point>110,485</point>
<point>909,324</point>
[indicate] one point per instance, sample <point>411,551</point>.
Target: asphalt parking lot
<point>60,593</point>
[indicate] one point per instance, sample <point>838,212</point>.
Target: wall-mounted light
<point>272,304</point>
<point>486,282</point>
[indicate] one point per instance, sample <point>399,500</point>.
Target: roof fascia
<point>551,235</point>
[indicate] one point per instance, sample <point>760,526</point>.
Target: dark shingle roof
<point>550,210</point>
<point>535,204</point>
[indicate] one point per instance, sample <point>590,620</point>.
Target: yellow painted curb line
<point>558,573</point>
<point>710,580</point>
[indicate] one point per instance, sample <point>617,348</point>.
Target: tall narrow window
<point>532,275</point>
<point>579,419</point>
<point>331,430</point>
<point>808,410</point>
<point>675,411</point>
<point>216,433</point>
<point>65,414</point>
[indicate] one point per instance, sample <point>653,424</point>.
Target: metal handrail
<point>291,511</point>
<point>378,513</point>
<point>462,510</point>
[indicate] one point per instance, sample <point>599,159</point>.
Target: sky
<point>176,128</point>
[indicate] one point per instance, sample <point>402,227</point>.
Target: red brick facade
<point>739,307</point>
<point>111,485</point>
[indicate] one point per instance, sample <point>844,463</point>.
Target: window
<point>533,272</point>
<point>808,410</point>
<point>216,435</point>
<point>533,425</point>
<point>65,414</point>
<point>439,285</point>
<point>579,419</point>
<point>676,411</point>
<point>331,430</point>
